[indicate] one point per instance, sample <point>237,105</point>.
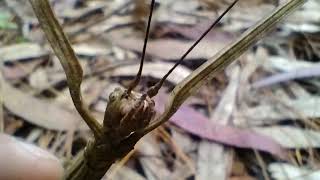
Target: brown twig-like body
<point>124,116</point>
<point>97,158</point>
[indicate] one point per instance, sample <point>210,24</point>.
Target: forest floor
<point>259,119</point>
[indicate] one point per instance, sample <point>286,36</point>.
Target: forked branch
<point>68,59</point>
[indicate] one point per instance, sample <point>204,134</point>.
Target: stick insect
<point>130,115</point>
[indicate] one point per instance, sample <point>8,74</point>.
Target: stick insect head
<point>127,113</point>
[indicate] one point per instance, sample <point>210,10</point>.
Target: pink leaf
<point>197,124</point>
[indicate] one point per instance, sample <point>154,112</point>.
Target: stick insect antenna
<point>135,82</point>
<point>152,91</point>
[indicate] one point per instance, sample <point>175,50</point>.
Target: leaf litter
<point>267,102</point>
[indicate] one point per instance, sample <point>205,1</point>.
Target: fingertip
<point>24,161</point>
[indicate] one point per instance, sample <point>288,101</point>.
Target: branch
<point>68,59</point>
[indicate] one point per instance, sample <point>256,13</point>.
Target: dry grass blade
<point>67,57</point>
<point>217,63</point>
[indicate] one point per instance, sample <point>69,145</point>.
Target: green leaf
<point>5,21</point>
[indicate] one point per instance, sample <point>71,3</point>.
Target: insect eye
<point>112,97</point>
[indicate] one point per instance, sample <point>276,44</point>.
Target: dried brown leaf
<point>173,48</point>
<point>37,111</point>
<point>156,70</point>
<point>26,51</point>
